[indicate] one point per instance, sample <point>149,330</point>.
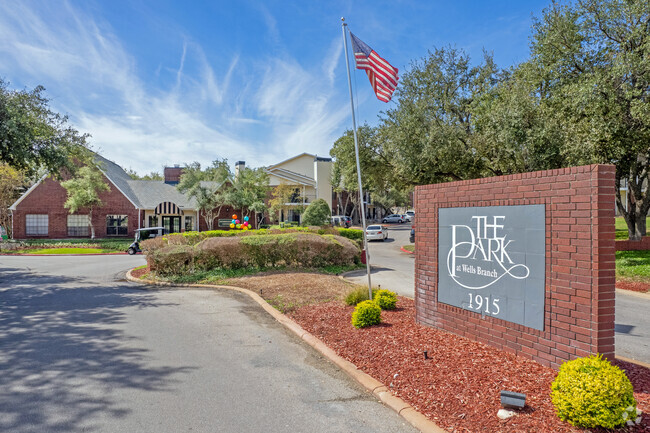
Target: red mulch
<point>458,387</point>
<point>137,273</point>
<point>635,286</point>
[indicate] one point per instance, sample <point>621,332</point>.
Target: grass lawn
<point>621,227</point>
<point>633,265</point>
<point>410,248</point>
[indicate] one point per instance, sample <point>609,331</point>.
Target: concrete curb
<point>633,293</point>
<point>633,361</point>
<point>378,389</point>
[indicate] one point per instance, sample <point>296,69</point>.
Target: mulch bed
<point>138,273</point>
<point>635,286</point>
<point>458,387</point>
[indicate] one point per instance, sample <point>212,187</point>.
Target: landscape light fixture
<point>513,400</point>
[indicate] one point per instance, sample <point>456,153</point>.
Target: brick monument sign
<point>525,262</point>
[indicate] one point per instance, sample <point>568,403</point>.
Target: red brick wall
<point>172,174</point>
<point>580,266</point>
<point>48,198</point>
<point>628,245</point>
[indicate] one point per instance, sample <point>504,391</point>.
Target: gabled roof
<point>290,159</point>
<point>150,193</point>
<point>291,176</point>
<point>143,194</point>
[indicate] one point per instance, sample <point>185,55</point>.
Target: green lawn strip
<point>55,251</point>
<point>633,265</point>
<point>115,245</point>
<point>621,227</point>
<point>221,276</point>
<point>410,248</point>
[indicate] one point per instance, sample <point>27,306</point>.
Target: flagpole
<point>356,151</point>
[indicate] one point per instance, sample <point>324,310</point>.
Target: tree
<point>375,171</point>
<point>248,191</point>
<point>389,198</point>
<point>593,59</point>
<point>284,197</point>
<point>33,136</point>
<point>208,187</point>
<point>12,183</point>
<point>429,136</point>
<point>318,213</point>
<point>152,175</point>
<point>83,192</point>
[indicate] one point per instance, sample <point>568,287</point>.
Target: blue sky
<point>168,82</point>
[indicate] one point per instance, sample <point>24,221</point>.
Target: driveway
<point>83,350</point>
<point>392,268</point>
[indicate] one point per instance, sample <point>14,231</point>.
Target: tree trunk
<point>638,202</point>
<point>90,222</point>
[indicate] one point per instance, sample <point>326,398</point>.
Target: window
<point>153,221</point>
<point>78,225</point>
<point>36,225</point>
<point>189,223</point>
<point>117,225</point>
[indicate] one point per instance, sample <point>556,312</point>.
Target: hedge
<point>305,250</point>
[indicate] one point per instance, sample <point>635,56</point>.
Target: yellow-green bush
<point>385,299</point>
<point>357,295</point>
<point>591,392</point>
<point>366,313</point>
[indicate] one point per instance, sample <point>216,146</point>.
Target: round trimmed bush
<point>385,299</point>
<point>591,392</point>
<point>366,313</point>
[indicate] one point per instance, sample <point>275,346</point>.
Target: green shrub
<point>305,250</point>
<point>357,295</point>
<point>366,313</point>
<point>385,299</point>
<point>318,213</point>
<point>354,234</point>
<point>172,259</point>
<point>590,392</point>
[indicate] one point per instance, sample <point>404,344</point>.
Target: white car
<point>376,233</point>
<point>407,217</point>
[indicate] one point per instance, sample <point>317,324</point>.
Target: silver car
<point>376,233</point>
<point>394,218</point>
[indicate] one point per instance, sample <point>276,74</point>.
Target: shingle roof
<point>151,193</point>
<point>144,194</point>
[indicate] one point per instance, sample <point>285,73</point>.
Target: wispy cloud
<point>208,112</point>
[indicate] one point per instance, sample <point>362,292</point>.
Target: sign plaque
<point>491,260</point>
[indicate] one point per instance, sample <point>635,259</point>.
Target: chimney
<point>173,174</point>
<point>239,165</point>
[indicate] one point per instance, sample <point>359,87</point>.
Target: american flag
<point>383,76</point>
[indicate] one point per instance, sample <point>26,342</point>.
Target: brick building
<point>129,205</point>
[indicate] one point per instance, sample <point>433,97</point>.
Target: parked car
<point>341,220</point>
<point>412,235</point>
<point>407,217</point>
<point>144,234</point>
<point>376,233</point>
<point>394,218</point>
<point>411,213</point>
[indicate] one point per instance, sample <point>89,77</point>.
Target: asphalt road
<point>632,326</point>
<point>392,268</point>
<point>83,350</point>
<point>395,270</point>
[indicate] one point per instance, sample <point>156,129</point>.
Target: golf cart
<point>143,234</point>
